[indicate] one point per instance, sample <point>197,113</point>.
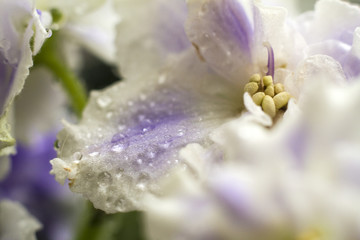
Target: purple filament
<point>271,60</point>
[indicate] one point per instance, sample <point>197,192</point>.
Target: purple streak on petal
<point>7,76</point>
<point>238,22</point>
<point>39,12</point>
<point>271,60</point>
<point>154,131</point>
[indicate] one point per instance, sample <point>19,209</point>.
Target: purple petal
<point>30,183</point>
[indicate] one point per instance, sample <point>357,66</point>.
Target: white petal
<point>150,31</point>
<point>333,19</point>
<point>131,132</point>
<point>16,223</point>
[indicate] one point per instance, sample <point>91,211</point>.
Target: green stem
<point>50,58</point>
<point>96,225</point>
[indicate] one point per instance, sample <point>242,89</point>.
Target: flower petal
<point>16,222</point>
<point>329,22</point>
<point>230,36</point>
<point>19,18</point>
<point>130,133</point>
<point>149,32</point>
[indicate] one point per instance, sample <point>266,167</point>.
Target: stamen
<point>271,60</point>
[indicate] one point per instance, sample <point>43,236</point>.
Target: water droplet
<point>162,79</point>
<point>77,156</point>
<point>180,132</point>
<point>103,101</point>
<point>142,181</point>
<point>145,129</point>
<point>151,154</point>
<point>94,154</point>
<point>121,127</point>
<point>104,178</point>
<point>117,137</point>
<point>118,148</point>
<point>109,115</point>
<point>142,97</point>
<point>139,161</point>
<point>120,205</point>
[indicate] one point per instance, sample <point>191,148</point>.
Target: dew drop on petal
<point>103,101</point>
<point>77,156</point>
<point>118,148</point>
<point>120,205</point>
<point>104,178</point>
<point>94,154</point>
<point>162,79</point>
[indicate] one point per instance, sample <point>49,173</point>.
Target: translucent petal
<point>95,28</point>
<point>16,222</point>
<point>150,31</point>
<point>131,133</point>
<point>314,69</point>
<point>333,19</point>
<point>230,36</point>
<point>16,52</point>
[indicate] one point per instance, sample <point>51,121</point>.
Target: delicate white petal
<point>150,31</point>
<point>96,31</point>
<point>313,69</point>
<point>19,18</point>
<point>130,133</point>
<point>263,187</point>
<point>333,19</point>
<point>16,223</point>
<point>230,36</point>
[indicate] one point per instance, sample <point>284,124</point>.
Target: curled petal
<point>131,133</point>
<point>20,24</point>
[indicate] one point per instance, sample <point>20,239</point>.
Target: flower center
<point>271,97</point>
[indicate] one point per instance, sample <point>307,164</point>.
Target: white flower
<point>131,133</point>
<point>299,180</point>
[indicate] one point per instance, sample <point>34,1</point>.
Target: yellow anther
<point>251,88</point>
<point>268,106</point>
<point>267,80</point>
<point>270,91</point>
<point>279,87</point>
<point>281,99</point>
<point>255,78</point>
<point>258,98</point>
